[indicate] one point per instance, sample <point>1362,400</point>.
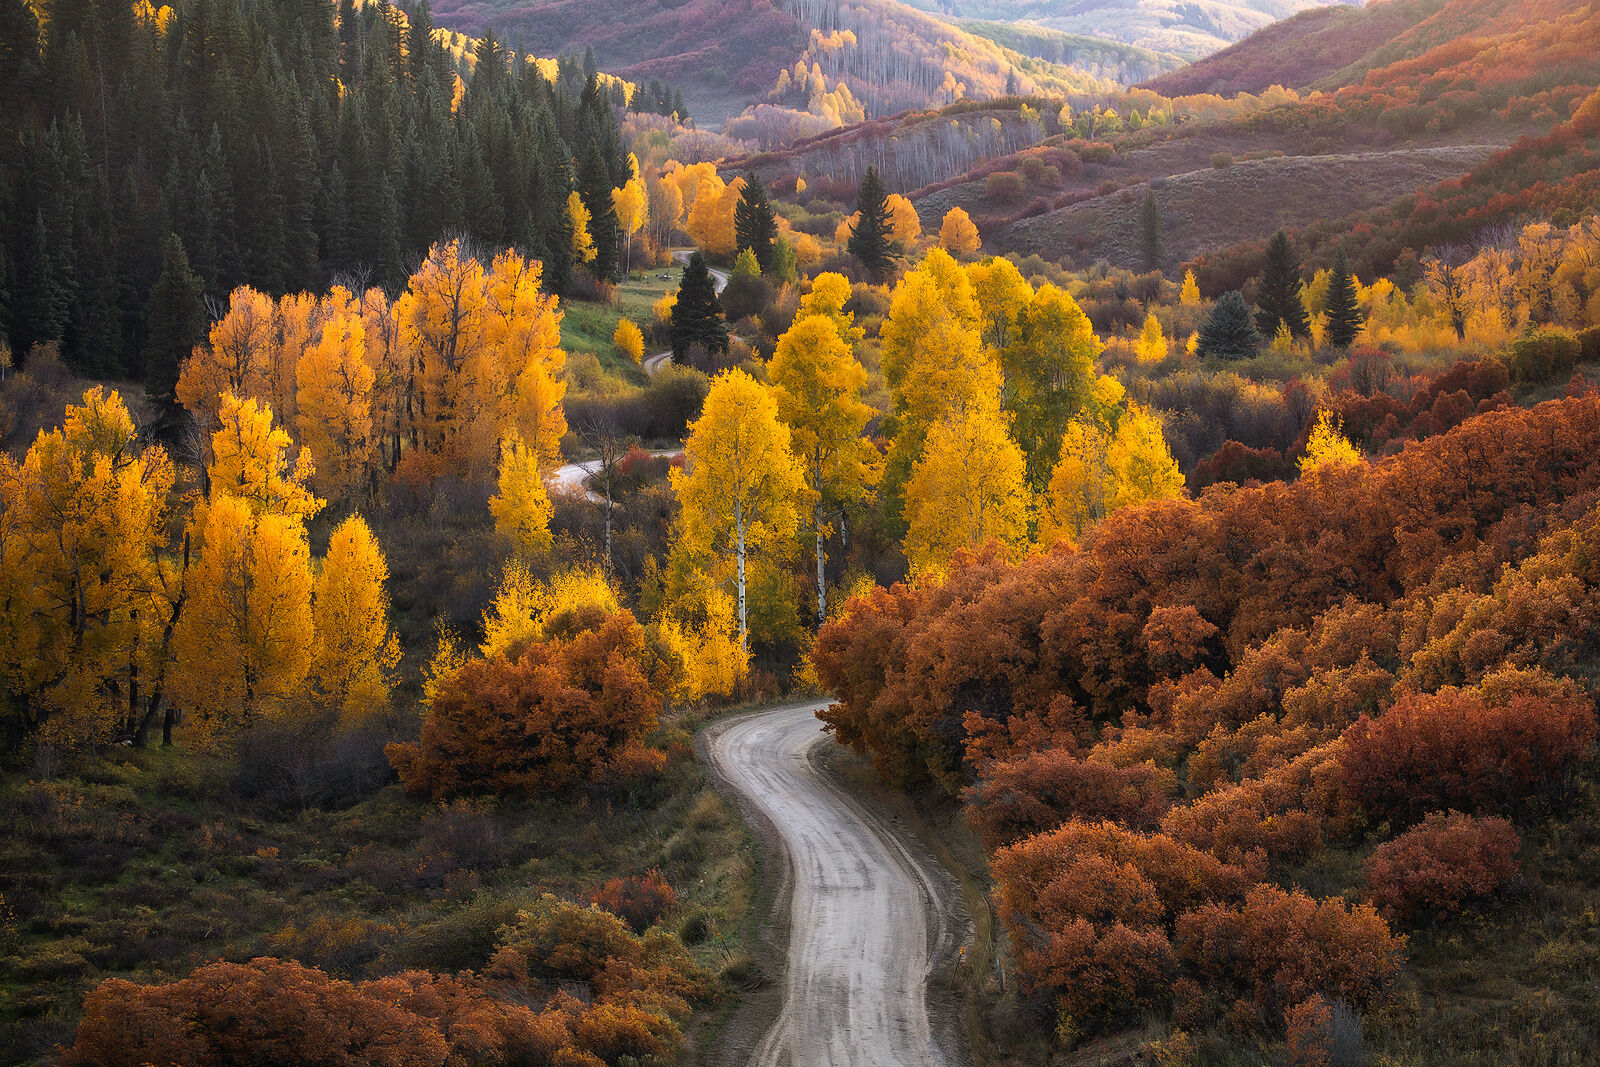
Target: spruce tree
<point>1227,333</point>
<point>1150,231</point>
<point>1278,297</point>
<point>871,235</point>
<point>1344,314</point>
<point>594,188</point>
<point>755,223</point>
<point>176,320</point>
<point>697,317</point>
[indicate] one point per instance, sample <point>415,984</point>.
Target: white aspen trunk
<point>744,632</point>
<point>822,580</point>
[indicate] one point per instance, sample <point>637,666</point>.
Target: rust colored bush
<point>639,901</point>
<point>1506,746</point>
<point>564,712</point>
<point>263,1012</point>
<point>1440,866</point>
<point>1017,799</point>
<point>1277,949</point>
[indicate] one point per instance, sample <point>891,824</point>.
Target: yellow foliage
<point>583,251</point>
<point>1328,447</point>
<point>521,508</point>
<point>662,309</point>
<point>334,386</point>
<point>1152,345</point>
<point>243,646</point>
<point>1190,297</point>
<point>250,462</point>
<point>703,646</point>
<point>710,223</point>
<point>957,234</point>
<point>356,652</point>
<point>628,341</point>
<point>525,609</point>
<point>904,225</point>
<point>1103,469</point>
<point>966,490</point>
<point>1001,293</point>
<point>238,358</point>
<point>932,356</point>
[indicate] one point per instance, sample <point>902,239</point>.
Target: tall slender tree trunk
<point>744,632</point>
<point>822,578</point>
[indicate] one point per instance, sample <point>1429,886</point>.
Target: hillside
<point>1299,51</point>
<point>1123,63</point>
<point>1188,28</point>
<point>730,54</point>
<point>1262,195</point>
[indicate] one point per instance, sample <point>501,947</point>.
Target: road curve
<point>868,917</point>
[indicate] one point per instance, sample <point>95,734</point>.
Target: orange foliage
<point>639,901</point>
<point>561,712</point>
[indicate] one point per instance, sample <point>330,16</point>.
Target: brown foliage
<point>562,712</point>
<point>639,901</point>
<point>1437,867</point>
<point>1043,790</point>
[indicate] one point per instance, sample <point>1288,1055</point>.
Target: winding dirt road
<point>868,917</point>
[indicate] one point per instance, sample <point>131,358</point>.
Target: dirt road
<point>868,916</point>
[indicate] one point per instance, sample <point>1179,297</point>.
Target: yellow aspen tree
<point>664,209</point>
<point>243,645</point>
<point>238,358</point>
<point>1190,296</point>
<point>526,387</point>
<point>830,292</point>
<point>957,233</point>
<point>628,340</point>
<point>710,224</point>
<point>967,489</point>
<point>356,652</point>
<point>82,525</point>
<point>699,639</point>
<point>525,609</point>
<point>817,382</point>
<point>394,369</point>
<point>334,384</point>
<point>250,462</point>
<point>739,483</point>
<point>1152,343</point>
<point>583,251</point>
<point>444,323</point>
<point>932,356</point>
<point>1328,446</point>
<point>1111,457</point>
<point>904,224</point>
<point>1001,293</point>
<point>297,321</point>
<point>1049,375</point>
<point>521,507</point>
<point>632,205</point>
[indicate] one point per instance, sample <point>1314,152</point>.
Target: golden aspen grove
<point>796,534</point>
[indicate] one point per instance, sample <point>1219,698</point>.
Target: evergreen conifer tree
<point>1279,295</point>
<point>1227,333</point>
<point>176,319</point>
<point>594,187</point>
<point>870,237</point>
<point>755,223</point>
<point>697,317</point>
<point>1150,231</point>
<point>1344,314</point>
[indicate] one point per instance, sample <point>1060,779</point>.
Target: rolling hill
<point>1188,28</point>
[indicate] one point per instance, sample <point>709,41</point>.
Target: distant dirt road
<point>867,916</point>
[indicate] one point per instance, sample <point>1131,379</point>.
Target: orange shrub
<point>1278,948</point>
<point>1512,742</point>
<point>1280,816</point>
<point>639,901</point>
<point>1040,792</point>
<point>1437,867</point>
<point>563,712</point>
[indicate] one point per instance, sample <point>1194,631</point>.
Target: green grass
<point>587,326</point>
<point>147,864</point>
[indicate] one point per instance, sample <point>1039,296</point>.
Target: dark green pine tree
<point>594,188</point>
<point>1150,227</point>
<point>697,317</point>
<point>871,237</point>
<point>1278,297</point>
<point>176,315</point>
<point>1228,333</point>
<point>755,223</point>
<point>1345,320</point>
